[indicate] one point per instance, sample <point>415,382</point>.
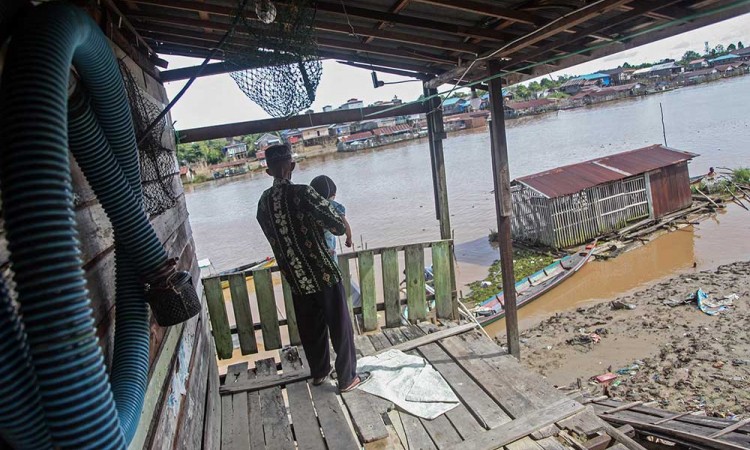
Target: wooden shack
<point>569,205</point>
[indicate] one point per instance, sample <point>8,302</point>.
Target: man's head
<point>279,161</point>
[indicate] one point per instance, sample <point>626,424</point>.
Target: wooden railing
<point>363,263</point>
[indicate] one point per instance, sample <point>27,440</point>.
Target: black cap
<point>278,153</point>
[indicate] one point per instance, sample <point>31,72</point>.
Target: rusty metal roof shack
<point>569,205</point>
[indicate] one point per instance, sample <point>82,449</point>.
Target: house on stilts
<point>569,205</point>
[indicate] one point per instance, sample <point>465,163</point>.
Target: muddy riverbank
<point>665,349</point>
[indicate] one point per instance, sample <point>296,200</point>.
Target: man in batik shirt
<point>294,218</point>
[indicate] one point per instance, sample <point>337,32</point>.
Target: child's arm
<point>348,242</point>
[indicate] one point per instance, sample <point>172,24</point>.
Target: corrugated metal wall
<point>573,219</point>
<point>670,189</point>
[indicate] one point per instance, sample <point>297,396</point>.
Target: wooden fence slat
<point>243,317</point>
<point>415,285</point>
<point>291,317</point>
<point>218,314</point>
<point>269,316</point>
<point>346,280</point>
<point>234,412</point>
<point>366,262</point>
<point>441,270</point>
<point>391,293</point>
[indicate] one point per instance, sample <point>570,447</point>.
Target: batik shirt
<point>294,217</point>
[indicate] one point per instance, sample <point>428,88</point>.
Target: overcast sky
<point>217,99</point>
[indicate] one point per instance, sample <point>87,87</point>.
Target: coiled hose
<point>74,391</point>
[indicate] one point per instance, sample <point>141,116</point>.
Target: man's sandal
<point>361,379</point>
<point>321,380</point>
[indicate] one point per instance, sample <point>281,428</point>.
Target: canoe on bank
<point>533,286</point>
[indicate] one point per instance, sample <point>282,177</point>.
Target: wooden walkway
<point>683,429</point>
<point>502,404</point>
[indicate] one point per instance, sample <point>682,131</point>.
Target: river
<point>388,191</point>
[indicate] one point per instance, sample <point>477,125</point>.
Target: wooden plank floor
<point>502,405</point>
<point>685,429</point>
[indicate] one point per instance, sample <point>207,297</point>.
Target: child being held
<point>324,186</point>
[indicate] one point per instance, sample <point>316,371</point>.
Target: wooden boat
<point>533,286</point>
<point>262,264</point>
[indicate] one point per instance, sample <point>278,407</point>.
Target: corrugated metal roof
<point>574,178</point>
<point>385,131</point>
<point>723,58</point>
<point>452,101</point>
<point>357,136</point>
<point>594,76</point>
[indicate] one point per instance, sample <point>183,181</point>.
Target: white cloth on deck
<point>408,381</point>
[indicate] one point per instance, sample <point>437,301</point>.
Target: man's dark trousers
<point>317,315</point>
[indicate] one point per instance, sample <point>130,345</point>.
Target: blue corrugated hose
<point>53,382</point>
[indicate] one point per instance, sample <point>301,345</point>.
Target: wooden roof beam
<point>640,9</point>
<point>401,73</point>
<point>226,67</point>
<point>322,42</point>
<point>556,26</point>
<point>416,22</point>
<point>399,6</point>
<point>319,25</point>
<point>566,22</point>
<point>351,11</point>
<point>498,12</point>
<point>300,121</point>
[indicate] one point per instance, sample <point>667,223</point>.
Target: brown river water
<point>389,199</point>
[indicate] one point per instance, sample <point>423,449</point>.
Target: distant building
<point>327,108</point>
<point>455,105</point>
<point>289,135</point>
<point>235,150</point>
<point>619,75</point>
<point>592,80</point>
<point>352,103</point>
<point>485,98</point>
<point>723,59</point>
<point>534,106</point>
<point>186,174</point>
<point>340,129</point>
<point>666,69</point>
<point>602,79</point>
<point>569,205</point>
<point>697,76</point>
<point>605,94</point>
<point>572,86</point>
<point>743,53</point>
<point>697,64</point>
<point>386,122</point>
<point>733,69</point>
<point>229,168</point>
<point>315,135</point>
<point>266,141</point>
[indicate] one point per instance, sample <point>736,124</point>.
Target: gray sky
<point>217,99</point>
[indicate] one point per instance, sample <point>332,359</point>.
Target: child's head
<point>324,186</point>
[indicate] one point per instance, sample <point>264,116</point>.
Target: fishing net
<point>279,41</point>
<point>158,163</point>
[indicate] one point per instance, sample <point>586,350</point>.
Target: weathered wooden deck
<point>502,404</point>
<point>682,429</point>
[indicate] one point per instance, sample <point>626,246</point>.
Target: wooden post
<point>501,178</point>
<point>436,135</point>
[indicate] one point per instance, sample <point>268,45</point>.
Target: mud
<point>678,356</point>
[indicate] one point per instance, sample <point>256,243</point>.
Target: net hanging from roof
<point>158,162</point>
<point>279,41</point>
